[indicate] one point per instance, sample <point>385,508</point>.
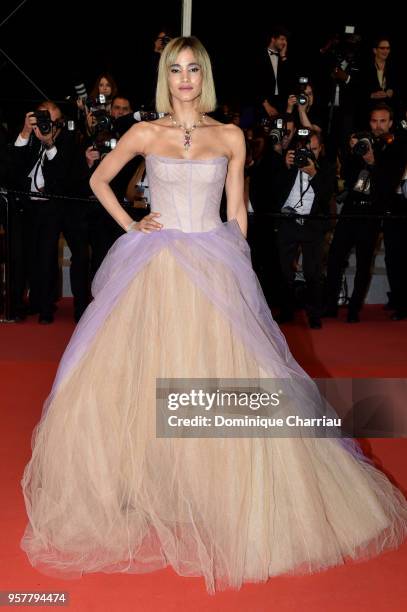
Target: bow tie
<point>273,52</point>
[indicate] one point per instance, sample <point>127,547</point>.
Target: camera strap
<point>38,165</point>
<point>299,203</point>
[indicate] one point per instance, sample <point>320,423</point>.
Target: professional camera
<point>146,115</point>
<point>98,108</point>
<point>103,120</point>
<point>104,146</point>
<point>303,154</point>
<point>97,103</point>
<point>44,121</point>
<point>365,141</point>
<point>302,97</point>
<point>278,131</point>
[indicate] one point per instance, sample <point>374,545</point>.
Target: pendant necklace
<point>187,131</point>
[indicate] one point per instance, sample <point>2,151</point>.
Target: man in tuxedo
<point>42,157</point>
<point>305,190</point>
<point>274,79</point>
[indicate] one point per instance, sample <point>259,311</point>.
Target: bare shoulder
<point>234,140</point>
<point>229,134</point>
<point>233,133</point>
<point>138,136</point>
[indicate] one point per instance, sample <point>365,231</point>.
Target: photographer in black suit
<point>306,188</point>
<point>338,81</point>
<point>95,226</point>
<point>42,158</point>
<point>263,172</point>
<point>372,171</point>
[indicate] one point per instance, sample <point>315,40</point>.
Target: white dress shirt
<point>294,199</point>
<point>36,174</point>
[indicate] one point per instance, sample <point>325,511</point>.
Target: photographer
<point>98,229</point>
<point>303,103</point>
<point>306,188</point>
<point>280,133</point>
<point>42,157</point>
<point>104,86</point>
<point>262,173</point>
<point>395,229</point>
<point>339,84</point>
<point>372,171</point>
<point>149,71</point>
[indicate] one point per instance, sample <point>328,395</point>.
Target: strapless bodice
<point>186,192</point>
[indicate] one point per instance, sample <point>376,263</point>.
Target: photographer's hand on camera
<point>80,103</point>
<point>92,156</point>
<point>46,139</point>
<point>369,157</point>
<point>304,119</point>
<point>291,102</point>
<point>90,120</point>
<point>289,158</point>
<point>309,169</point>
<point>29,122</point>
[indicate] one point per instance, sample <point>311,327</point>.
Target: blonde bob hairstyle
<point>207,101</point>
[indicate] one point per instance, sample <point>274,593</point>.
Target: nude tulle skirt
<point>103,493</point>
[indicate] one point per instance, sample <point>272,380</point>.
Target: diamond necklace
<point>187,131</point>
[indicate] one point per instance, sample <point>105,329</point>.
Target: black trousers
<point>291,236</point>
<point>12,221</point>
<point>395,235</point>
<point>42,228</point>
<point>338,124</point>
<point>262,238</point>
<point>88,231</point>
<point>361,234</point>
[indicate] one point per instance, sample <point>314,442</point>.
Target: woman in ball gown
<point>176,297</point>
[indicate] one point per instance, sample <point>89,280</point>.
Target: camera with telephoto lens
<point>365,142</point>
<point>303,154</point>
<point>278,131</point>
<point>302,97</point>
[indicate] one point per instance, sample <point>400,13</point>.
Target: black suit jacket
<point>385,176</point>
<point>264,183</point>
<point>370,84</point>
<point>265,81</point>
<point>57,172</point>
<point>323,185</point>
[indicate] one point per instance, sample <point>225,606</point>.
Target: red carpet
<point>29,355</point>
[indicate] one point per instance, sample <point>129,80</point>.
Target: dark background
<point>59,43</point>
